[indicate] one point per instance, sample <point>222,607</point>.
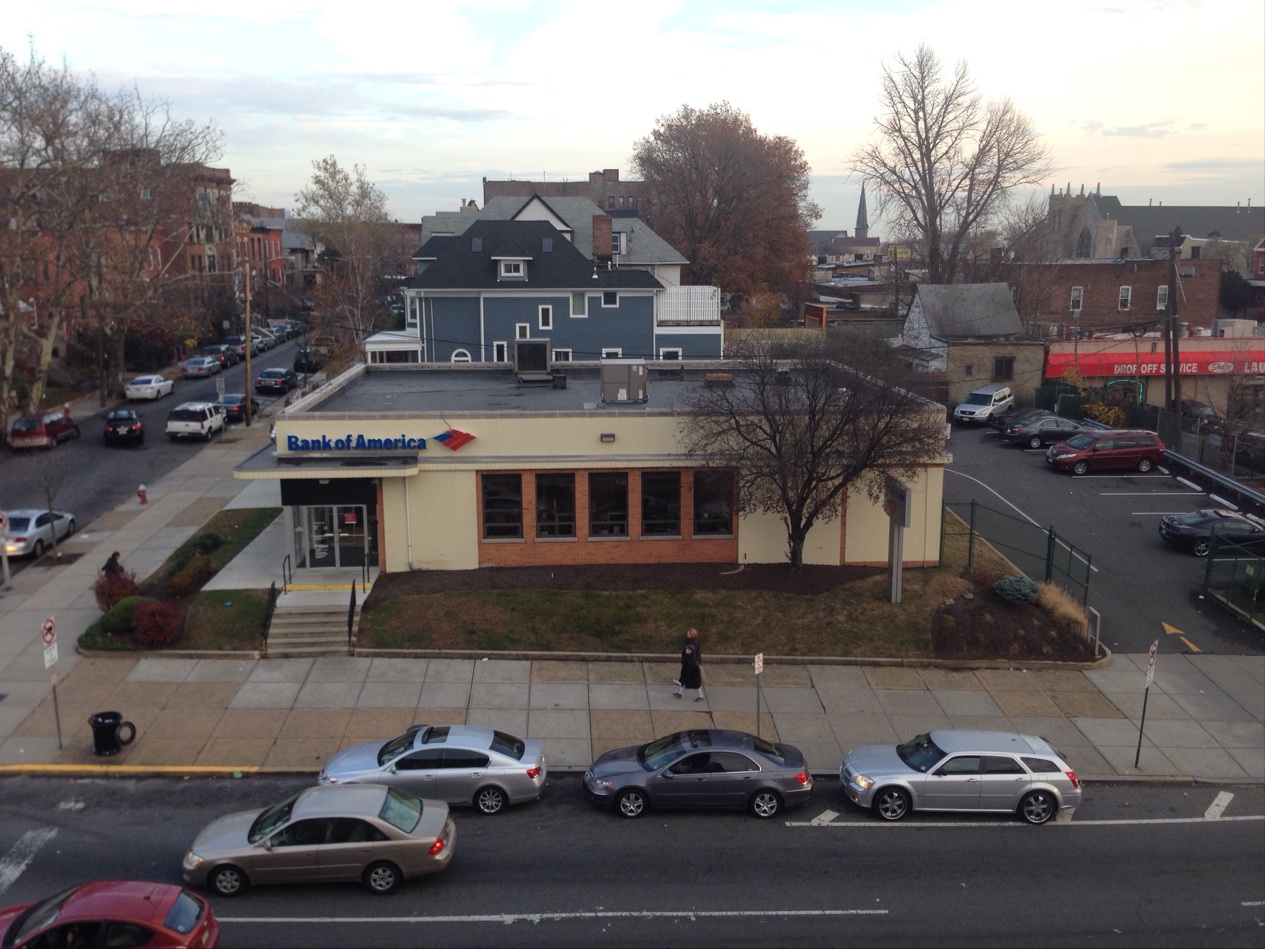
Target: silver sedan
<point>374,834</point>
<point>460,764</point>
<point>962,770</point>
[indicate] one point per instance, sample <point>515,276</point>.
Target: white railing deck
<point>688,306</point>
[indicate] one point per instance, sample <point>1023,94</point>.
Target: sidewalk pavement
<point>1205,715</point>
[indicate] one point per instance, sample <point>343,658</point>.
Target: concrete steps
<point>309,630</point>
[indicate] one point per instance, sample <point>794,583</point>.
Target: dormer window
<point>511,268</point>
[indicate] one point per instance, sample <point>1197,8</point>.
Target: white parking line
<point>1149,494</point>
<point>558,917</point>
<point>20,855</point>
<point>858,824</point>
<point>1218,806</point>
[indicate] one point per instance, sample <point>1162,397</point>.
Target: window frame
<point>511,268</point>
<point>544,316</point>
<point>560,355</point>
<point>610,295</point>
<point>1078,299</point>
<point>658,527</point>
<point>560,527</point>
<point>1161,297</point>
<point>500,351</point>
<point>718,527</point>
<point>612,352</point>
<point>506,527</point>
<point>1003,368</point>
<point>665,350</point>
<point>613,525</point>
<point>522,331</point>
<point>583,298</point>
<point>1125,298</point>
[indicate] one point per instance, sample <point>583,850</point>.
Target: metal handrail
<point>287,573</point>
<point>351,615</point>
<point>268,611</point>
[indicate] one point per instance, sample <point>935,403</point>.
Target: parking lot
<point>1144,589</point>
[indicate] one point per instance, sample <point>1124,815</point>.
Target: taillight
<point>534,773</point>
<point>436,848</point>
<point>1071,776</point>
<point>802,777</point>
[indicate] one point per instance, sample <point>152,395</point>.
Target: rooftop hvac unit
<point>624,380</point>
<point>531,360</point>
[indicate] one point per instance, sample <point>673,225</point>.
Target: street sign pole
<point>758,665</point>
<point>4,552</point>
<point>48,635</point>
<point>1150,677</point>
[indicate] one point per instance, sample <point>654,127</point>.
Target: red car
<point>113,913</point>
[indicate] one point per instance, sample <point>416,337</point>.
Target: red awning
<point>1109,365</point>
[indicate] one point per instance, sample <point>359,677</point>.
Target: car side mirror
<point>668,773</point>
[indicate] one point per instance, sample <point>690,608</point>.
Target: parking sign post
<point>758,665</point>
<point>1150,677</point>
<point>48,635</point>
<point>4,551</point>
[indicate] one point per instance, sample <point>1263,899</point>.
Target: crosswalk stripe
<point>20,855</point>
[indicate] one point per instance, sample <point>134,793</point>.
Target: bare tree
<point>944,160</point>
<point>358,245</point>
<point>733,201</point>
<point>801,429</point>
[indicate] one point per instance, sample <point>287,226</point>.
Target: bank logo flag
<point>454,439</point>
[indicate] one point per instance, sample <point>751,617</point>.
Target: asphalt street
<point>1138,865</point>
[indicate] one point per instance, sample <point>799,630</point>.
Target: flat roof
<point>425,391</point>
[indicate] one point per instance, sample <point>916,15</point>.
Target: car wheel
<point>71,529</point>
<point>1200,548</point>
<point>891,804</point>
<point>1144,465</point>
<point>1037,807</point>
<point>1034,441</point>
<point>228,880</point>
<point>631,803</point>
<point>382,877</point>
<point>74,432</point>
<point>37,549</point>
<point>52,443</point>
<point>490,800</point>
<point>765,804</point>
<point>1080,468</point>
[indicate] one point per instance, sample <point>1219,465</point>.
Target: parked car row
<point>1077,447</point>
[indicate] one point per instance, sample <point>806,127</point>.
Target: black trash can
<point>110,733</point>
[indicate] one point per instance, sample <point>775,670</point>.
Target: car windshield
<point>660,753</point>
<point>231,399</point>
<point>508,745</point>
<point>1080,441</point>
<point>184,913</point>
<point>270,820</point>
<point>27,425</point>
<point>39,916</point>
<point>121,414</point>
<point>920,753</point>
<point>402,810</point>
<point>977,398</point>
<point>770,750</point>
<point>397,746</point>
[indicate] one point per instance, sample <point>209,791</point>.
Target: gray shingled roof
<point>458,266</point>
<point>969,311</point>
<point>1201,221</point>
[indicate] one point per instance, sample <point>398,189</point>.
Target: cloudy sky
<point>1158,100</point>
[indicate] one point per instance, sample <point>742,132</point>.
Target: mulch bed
<point>777,578</point>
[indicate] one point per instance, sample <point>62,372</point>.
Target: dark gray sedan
<point>701,768</point>
<point>1035,432</point>
<point>460,764</point>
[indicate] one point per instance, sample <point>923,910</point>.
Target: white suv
<point>983,403</point>
<point>195,420</point>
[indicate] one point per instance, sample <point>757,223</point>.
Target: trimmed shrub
<point>156,624</point>
<point>1016,589</point>
<point>119,618</point>
<point>110,588</point>
<point>191,577</point>
<point>208,542</point>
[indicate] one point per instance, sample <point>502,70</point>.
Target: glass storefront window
<point>608,504</point>
<point>660,503</point>
<point>502,506</point>
<point>555,505</point>
<point>713,502</point>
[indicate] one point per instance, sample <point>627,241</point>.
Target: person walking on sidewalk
<point>691,674</point>
<point>112,566</point>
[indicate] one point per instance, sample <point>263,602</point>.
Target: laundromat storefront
<point>335,522</point>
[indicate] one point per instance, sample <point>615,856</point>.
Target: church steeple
<point>863,219</point>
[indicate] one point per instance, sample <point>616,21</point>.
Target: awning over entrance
<point>267,464</point>
<point>1120,362</point>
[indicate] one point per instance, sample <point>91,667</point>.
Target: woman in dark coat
<point>691,674</point>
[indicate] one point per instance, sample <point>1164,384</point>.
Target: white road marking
<point>1218,806</point>
<point>71,805</point>
<point>1189,484</point>
<point>825,817</point>
<point>1155,513</point>
<point>1223,502</point>
<point>557,917</point>
<point>1146,494</point>
<point>1254,902</point>
<point>856,825</point>
<point>20,855</point>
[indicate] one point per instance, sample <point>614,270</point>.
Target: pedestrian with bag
<point>112,566</point>
<point>691,676</point>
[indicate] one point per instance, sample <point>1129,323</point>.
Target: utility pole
<point>246,351</point>
<point>1172,357</point>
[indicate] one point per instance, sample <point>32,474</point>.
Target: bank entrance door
<point>337,535</point>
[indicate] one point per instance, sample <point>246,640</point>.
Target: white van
<point>983,403</point>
